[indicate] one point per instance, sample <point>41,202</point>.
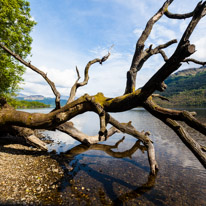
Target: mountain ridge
<point>186,88</point>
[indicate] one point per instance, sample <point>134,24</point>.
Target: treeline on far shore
<point>23,104</point>
<point>185,98</point>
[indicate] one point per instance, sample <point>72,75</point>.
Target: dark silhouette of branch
<point>139,52</point>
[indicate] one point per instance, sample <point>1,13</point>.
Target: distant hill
<point>186,88</point>
<point>41,99</point>
<point>34,97</point>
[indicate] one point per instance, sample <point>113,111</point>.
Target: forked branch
<point>183,50</point>
<point>139,52</point>
<point>86,76</point>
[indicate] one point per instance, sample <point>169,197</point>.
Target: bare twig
<point>161,97</point>
<point>194,61</point>
<point>164,56</point>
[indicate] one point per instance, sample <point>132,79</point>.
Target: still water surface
<point>118,174</point>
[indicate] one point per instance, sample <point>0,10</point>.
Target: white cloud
<point>162,32</point>
<point>57,51</point>
<point>200,44</point>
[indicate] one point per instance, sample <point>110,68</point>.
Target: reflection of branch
<point>107,148</point>
<point>72,170</point>
<point>137,192</point>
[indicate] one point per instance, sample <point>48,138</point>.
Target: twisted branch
<point>86,76</point>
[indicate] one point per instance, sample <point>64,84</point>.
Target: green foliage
<point>47,101</point>
<point>196,97</point>
<point>15,27</point>
<point>26,104</point>
<point>177,84</point>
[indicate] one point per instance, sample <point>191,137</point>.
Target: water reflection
<point>106,174</point>
<point>136,193</point>
<point>72,165</point>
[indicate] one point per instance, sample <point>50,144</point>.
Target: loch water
<point>116,172</point>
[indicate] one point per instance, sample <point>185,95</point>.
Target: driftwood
<point>24,124</point>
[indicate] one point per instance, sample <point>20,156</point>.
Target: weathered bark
<point>188,140</point>
<point>69,129</point>
<point>24,123</point>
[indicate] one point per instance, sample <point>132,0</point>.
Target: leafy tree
<point>16,24</point>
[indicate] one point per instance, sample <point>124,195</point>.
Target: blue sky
<point>70,33</point>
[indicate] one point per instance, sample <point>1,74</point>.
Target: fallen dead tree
<point>25,124</point>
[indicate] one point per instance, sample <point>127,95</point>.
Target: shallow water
<point>109,174</point>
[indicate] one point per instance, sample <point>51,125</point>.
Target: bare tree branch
<point>129,129</point>
<point>188,140</point>
<point>69,129</point>
<point>29,135</point>
<point>29,65</point>
<point>86,76</point>
<point>136,66</point>
<point>169,116</point>
<point>161,97</point>
<point>194,61</point>
<point>103,106</point>
<point>184,49</point>
<point>74,88</point>
<point>198,14</point>
<point>178,16</point>
<point>185,116</point>
<point>164,56</point>
<point>157,50</point>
